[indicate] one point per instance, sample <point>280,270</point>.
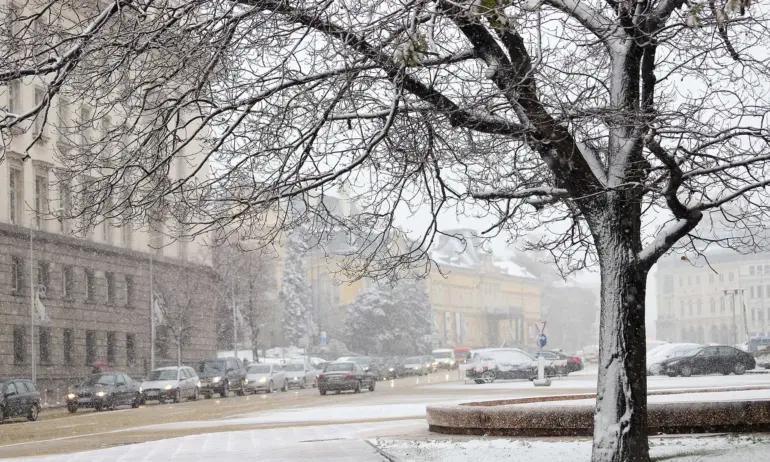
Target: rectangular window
<point>14,97</point>
<point>44,275</point>
<point>67,282</point>
<point>711,278</point>
<point>90,347</point>
<point>19,345</point>
<point>15,195</point>
<point>752,271</point>
<point>721,278</point>
<point>65,202</point>
<point>697,279</point>
<point>731,276</point>
<point>69,347</point>
<point>90,285</point>
<point>110,278</point>
<point>112,347</point>
<point>759,291</point>
<point>17,273</point>
<point>86,123</point>
<point>44,338</point>
<point>752,292</point>
<point>130,350</point>
<point>41,200</point>
<point>38,128</point>
<point>129,291</point>
<point>64,115</point>
<point>128,240</point>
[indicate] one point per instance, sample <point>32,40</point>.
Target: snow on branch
<point>599,25</point>
<point>667,237</point>
<point>541,192</point>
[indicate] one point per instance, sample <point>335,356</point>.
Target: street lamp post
<point>733,293</point>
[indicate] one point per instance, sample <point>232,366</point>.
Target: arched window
<point>713,304</point>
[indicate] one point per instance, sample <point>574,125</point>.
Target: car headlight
<point>263,379</point>
<point>167,387</point>
<point>72,396</point>
<point>452,362</point>
<point>141,389</point>
<point>296,378</point>
<point>100,394</point>
<point>391,369</point>
<point>216,379</point>
<point>245,381</point>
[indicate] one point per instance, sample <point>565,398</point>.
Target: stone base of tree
<point>525,417</point>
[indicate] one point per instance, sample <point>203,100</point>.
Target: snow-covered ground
<point>747,395</point>
<point>706,448</point>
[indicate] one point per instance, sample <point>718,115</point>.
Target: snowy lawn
<point>705,448</point>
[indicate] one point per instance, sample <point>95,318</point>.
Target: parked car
<point>591,353</point>
<point>220,376</point>
<point>719,359</point>
<point>669,350</point>
<point>415,365</point>
<point>445,358</point>
<point>341,376</point>
<point>18,398</point>
<point>394,368</point>
<point>266,377</point>
<point>559,364</point>
<point>492,364</point>
<point>762,358</point>
<point>170,383</point>
<point>106,390</point>
<point>300,375</point>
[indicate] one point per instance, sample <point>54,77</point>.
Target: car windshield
<point>443,355</point>
<point>294,367</point>
<point>691,351</point>
<point>163,374</point>
<point>413,360</point>
<point>258,369</point>
<point>362,360</point>
<point>100,380</point>
<point>339,367</point>
<point>211,367</point>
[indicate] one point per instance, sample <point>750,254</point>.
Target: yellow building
<point>478,301</point>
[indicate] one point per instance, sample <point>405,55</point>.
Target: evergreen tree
<point>414,319</point>
<point>295,294</point>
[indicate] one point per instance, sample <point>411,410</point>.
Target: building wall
<point>482,307</point>
<point>78,314</point>
<point>695,301</point>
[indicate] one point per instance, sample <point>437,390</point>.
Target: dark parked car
<point>718,359</point>
<point>558,364</point>
<point>368,364</point>
<point>106,390</point>
<point>18,398</point>
<point>341,376</point>
<point>394,368</point>
<point>221,376</point>
<point>762,358</point>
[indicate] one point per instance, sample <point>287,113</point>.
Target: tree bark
<point>179,354</point>
<point>620,422</point>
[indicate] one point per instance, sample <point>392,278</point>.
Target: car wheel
<point>241,390</point>
<point>177,396</point>
<point>322,391</point>
<point>33,412</point>
<point>72,407</point>
<point>136,401</point>
<point>371,387</point>
<point>739,369</point>
<point>196,394</point>
<point>655,369</point>
<point>207,395</point>
<point>337,392</point>
<point>225,390</point>
<point>488,376</point>
<point>304,384</point>
<point>2,416</point>
<point>97,407</point>
<point>270,387</point>
<point>358,387</point>
<point>285,386</point>
<point>685,371</point>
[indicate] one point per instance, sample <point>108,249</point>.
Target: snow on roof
<point>513,269</point>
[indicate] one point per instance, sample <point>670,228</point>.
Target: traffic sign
<point>542,340</point>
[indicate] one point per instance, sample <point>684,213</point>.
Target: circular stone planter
<point>526,417</point>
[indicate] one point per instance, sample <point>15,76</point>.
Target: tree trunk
<point>179,354</point>
<point>620,423</point>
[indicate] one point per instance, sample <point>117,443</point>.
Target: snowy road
<point>286,426</point>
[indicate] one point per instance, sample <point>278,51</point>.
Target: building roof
<point>461,248</point>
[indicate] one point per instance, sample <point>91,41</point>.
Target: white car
<point>445,358</point>
<point>300,375</point>
<point>669,350</point>
<point>170,383</point>
<point>265,377</point>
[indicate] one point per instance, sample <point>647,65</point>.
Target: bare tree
<point>175,306</point>
<point>611,127</point>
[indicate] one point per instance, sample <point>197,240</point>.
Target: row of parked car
<point>489,364</point>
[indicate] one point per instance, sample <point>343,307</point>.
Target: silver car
<point>265,377</point>
<point>300,375</point>
<point>170,383</point>
<point>415,366</point>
